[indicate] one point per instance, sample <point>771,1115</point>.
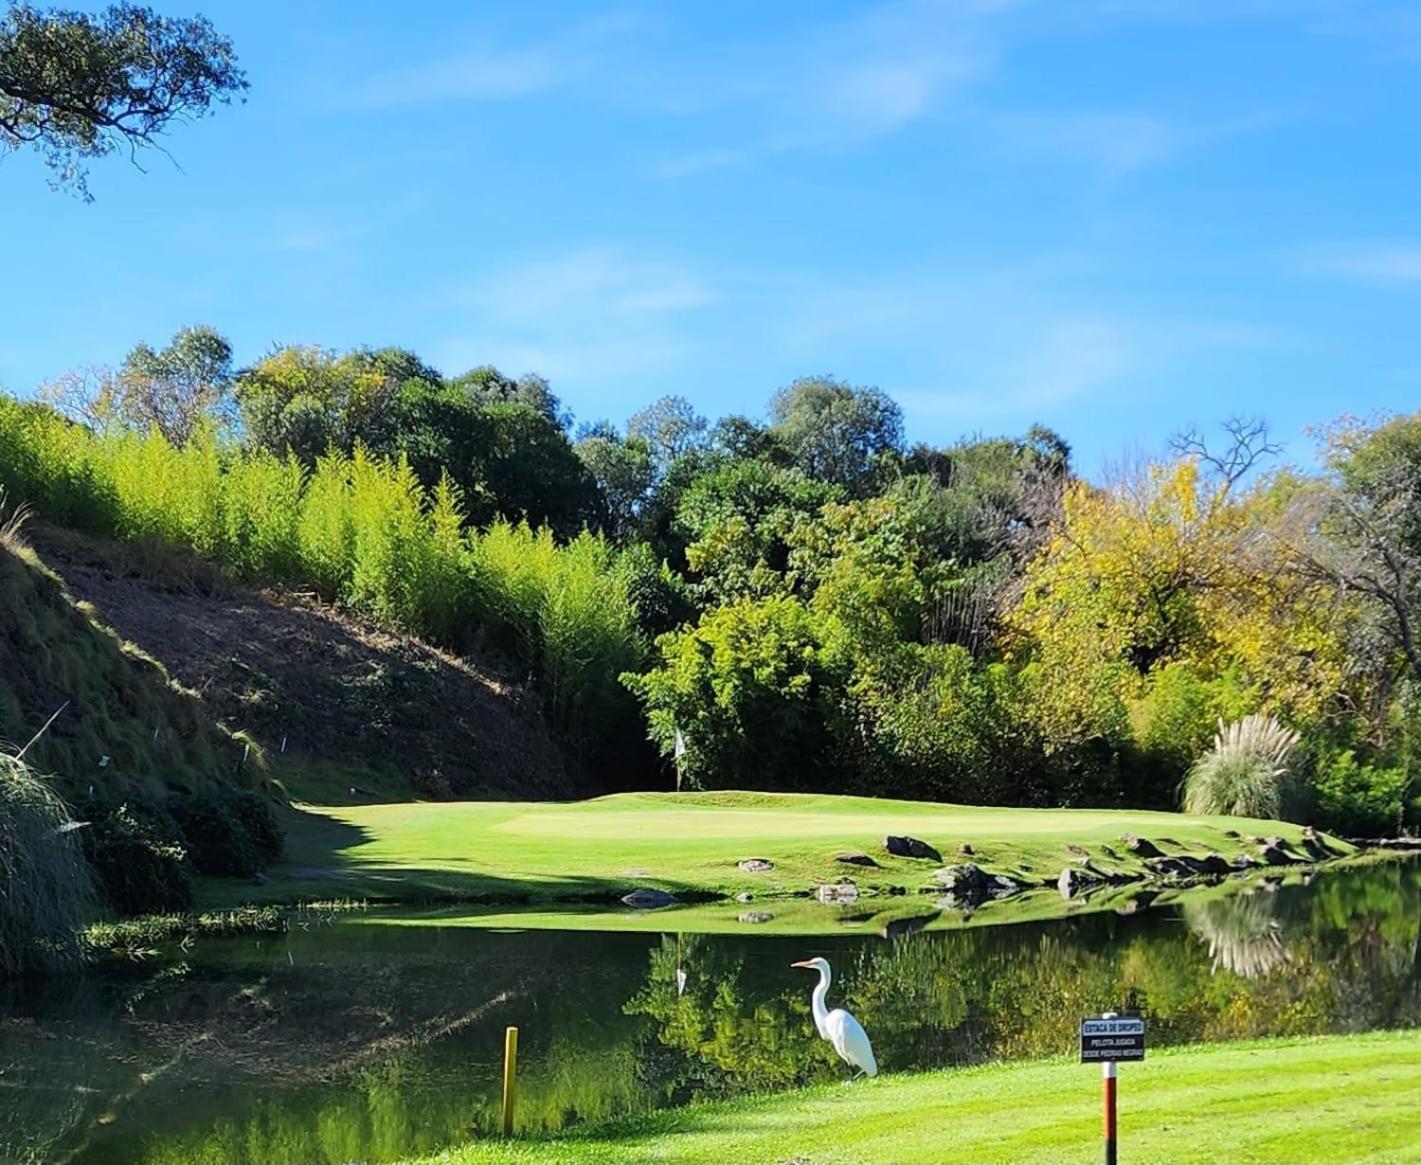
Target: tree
<point>623,471</point>
<point>307,400</point>
<point>486,385</point>
<point>671,428</point>
<point>175,390</point>
<point>179,387</point>
<point>1360,532</point>
<point>738,519</point>
<point>76,85</point>
<point>836,432</point>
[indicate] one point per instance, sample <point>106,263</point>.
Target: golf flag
<point>679,750</point>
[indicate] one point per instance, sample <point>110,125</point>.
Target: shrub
<point>1246,773</point>
<point>1356,799</point>
<point>45,891</point>
<point>135,850</point>
<point>229,834</point>
<point>756,689</point>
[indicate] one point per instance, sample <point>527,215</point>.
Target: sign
<point>1115,1038</point>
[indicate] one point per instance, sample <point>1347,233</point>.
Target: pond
<point>377,1038</point>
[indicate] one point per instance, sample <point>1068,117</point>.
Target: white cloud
<point>1371,261</point>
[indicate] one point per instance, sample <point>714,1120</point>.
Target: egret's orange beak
<point>806,963</point>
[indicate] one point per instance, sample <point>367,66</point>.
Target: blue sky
<point>1117,218</point>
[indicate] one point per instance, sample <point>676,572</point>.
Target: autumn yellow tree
<point>1162,602</point>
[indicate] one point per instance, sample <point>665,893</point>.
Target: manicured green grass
<point>1323,1101</point>
<point>690,844</point>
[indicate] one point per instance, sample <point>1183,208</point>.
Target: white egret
<point>840,1028</point>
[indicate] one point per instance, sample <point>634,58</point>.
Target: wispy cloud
<point>1116,144</point>
<point>482,73</point>
<point>847,83</point>
<point>587,315</point>
<point>1369,261</point>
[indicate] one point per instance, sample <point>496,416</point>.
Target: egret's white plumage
<point>840,1028</point>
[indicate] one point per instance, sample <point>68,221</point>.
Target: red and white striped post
<point>1107,1074</point>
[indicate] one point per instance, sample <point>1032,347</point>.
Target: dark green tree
<point>836,432</point>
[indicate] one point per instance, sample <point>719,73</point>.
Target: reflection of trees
<point>1242,932</point>
<point>732,1029</point>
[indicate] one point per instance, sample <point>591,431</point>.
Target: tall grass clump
<point>45,892</point>
<point>568,612</point>
<point>1247,772</point>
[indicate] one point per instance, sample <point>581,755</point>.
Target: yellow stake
<point>510,1078</point>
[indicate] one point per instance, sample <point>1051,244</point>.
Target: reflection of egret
<point>1243,935</point>
<point>840,1028</point>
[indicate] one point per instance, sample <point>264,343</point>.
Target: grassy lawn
<point>689,844</point>
<point>1286,1102</point>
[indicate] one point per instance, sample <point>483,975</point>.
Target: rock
<point>838,893</point>
<point>1231,833</point>
<point>1110,853</point>
<point>1243,862</point>
<point>1141,846</point>
<point>966,849</point>
<point>1188,866</point>
<point>756,865</point>
<point>754,917</point>
<point>901,926</point>
<point>968,883</point>
<point>1078,851</point>
<point>1275,852</point>
<point>1074,880</point>
<point>745,896</point>
<point>855,858</point>
<point>1317,849</point>
<point>649,899</point>
<point>1137,902</point>
<point>910,847</point>
<point>1215,866</point>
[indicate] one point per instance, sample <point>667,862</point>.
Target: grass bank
<point>1326,1101</point>
<point>693,844</point>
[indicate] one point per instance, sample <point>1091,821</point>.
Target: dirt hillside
<point>344,711</point>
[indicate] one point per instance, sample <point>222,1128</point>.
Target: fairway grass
<point>1324,1101</point>
<point>690,844</point>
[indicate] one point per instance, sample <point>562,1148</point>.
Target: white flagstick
<point>678,751</point>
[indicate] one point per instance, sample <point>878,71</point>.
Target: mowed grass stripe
<point>1323,1101</point>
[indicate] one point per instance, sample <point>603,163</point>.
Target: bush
<point>1356,799</point>
<point>1247,772</point>
<point>135,850</point>
<point>757,691</point>
<point>232,833</point>
<point>45,891</point>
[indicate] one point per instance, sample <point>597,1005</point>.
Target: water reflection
<point>361,1042</point>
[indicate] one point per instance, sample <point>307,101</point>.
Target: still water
<point>356,1041</point>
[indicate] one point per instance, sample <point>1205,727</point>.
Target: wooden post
<point>510,1077</point>
<point>1107,1075</point>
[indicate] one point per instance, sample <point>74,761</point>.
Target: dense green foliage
<point>809,603</point>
